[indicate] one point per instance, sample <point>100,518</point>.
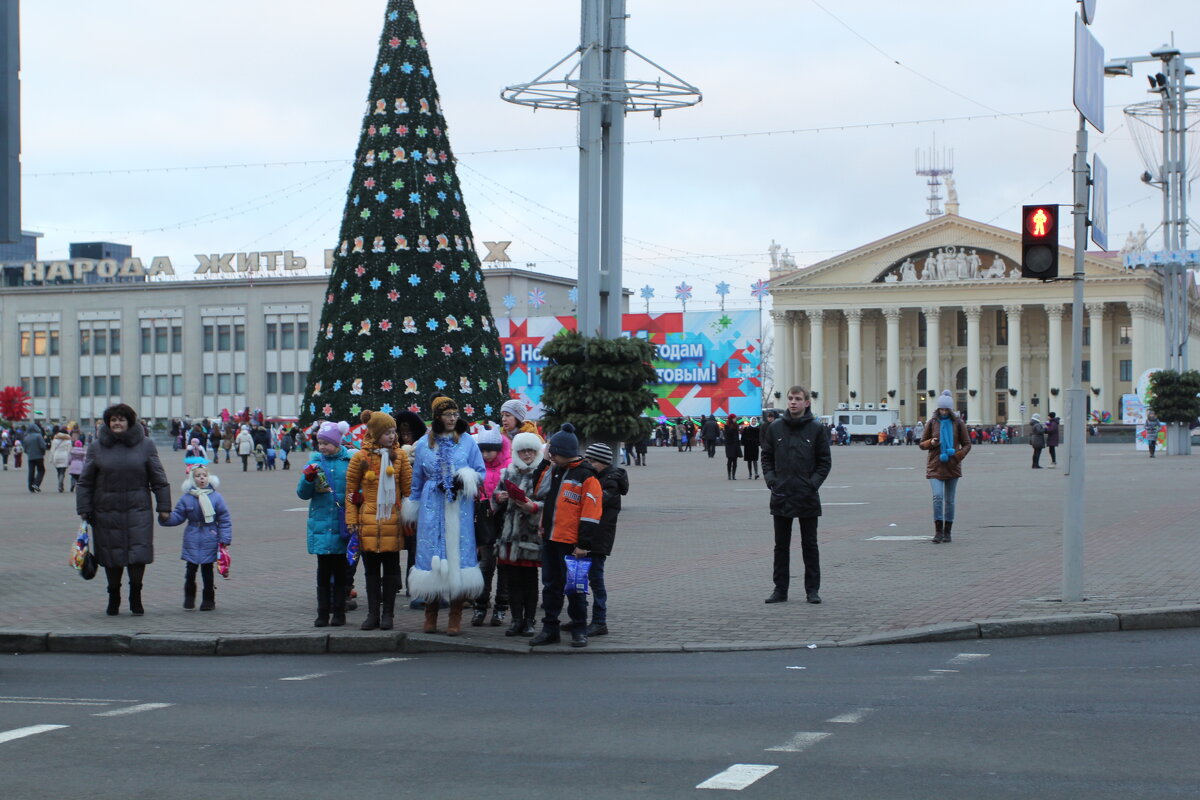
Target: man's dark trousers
<point>808,549</point>
<point>554,581</point>
<point>37,471</point>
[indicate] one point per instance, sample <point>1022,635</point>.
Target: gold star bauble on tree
<point>406,316</point>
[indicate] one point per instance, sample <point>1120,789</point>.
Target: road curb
<point>183,644</point>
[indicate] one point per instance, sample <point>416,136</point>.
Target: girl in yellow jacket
<point>377,481</point>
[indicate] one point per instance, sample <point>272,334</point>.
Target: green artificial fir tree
<point>406,316</point>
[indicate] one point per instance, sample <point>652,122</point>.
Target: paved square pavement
<point>692,560</point>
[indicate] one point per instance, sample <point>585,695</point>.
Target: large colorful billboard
<point>707,361</point>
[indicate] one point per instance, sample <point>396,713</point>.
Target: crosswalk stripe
<point>121,712</point>
<point>738,777</point>
<point>851,717</point>
<point>20,733</point>
<point>800,742</point>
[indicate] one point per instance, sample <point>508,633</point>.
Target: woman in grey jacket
<point>120,473</point>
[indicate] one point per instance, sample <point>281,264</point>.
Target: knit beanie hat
<point>565,442</point>
<point>442,404</point>
<point>599,451</point>
<point>514,407</point>
<point>489,439</point>
<point>332,431</point>
<point>1035,418</point>
<point>526,441</point>
<point>377,422</point>
<point>945,400</point>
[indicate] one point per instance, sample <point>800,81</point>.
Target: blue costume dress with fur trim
<point>447,566</point>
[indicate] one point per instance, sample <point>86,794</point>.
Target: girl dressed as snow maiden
<point>208,525</point>
<point>447,471</point>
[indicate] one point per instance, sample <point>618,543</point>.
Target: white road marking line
<point>306,677</point>
<point>964,658</point>
<point>738,777</point>
<point>895,538</point>
<point>851,717</point>
<point>926,677</point>
<point>380,662</point>
<point>121,712</point>
<point>21,733</point>
<point>297,508</point>
<point>827,486</point>
<point>943,670</point>
<point>800,742</point>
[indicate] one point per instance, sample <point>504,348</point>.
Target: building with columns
<point>942,305</point>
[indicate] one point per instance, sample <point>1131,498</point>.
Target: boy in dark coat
<point>614,483</point>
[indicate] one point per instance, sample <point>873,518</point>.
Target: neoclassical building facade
<point>942,306</point>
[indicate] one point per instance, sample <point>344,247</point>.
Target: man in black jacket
<point>795,462</point>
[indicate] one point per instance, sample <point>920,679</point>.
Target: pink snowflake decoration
<point>371,131</point>
<point>414,408</point>
<point>329,356</point>
<point>469,410</point>
<point>360,270</point>
<point>385,386</point>
<point>471,294</point>
<point>429,178</point>
<point>397,213</point>
<point>393,295</point>
<point>393,42</point>
<point>438,266</point>
<point>442,156</point>
<point>447,349</point>
<point>385,325</point>
<point>327,410</point>
<point>402,130</point>
<point>369,183</point>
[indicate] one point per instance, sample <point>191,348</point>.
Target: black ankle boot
<point>189,595</point>
<point>208,600</point>
<point>389,604</point>
<point>135,600</point>
<point>114,602</point>
<point>946,536</point>
<point>939,535</point>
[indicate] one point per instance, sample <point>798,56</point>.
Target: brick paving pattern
<point>692,560</point>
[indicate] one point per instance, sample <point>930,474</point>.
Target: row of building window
<point>99,385</point>
<point>39,343</point>
<point>287,335</point>
<point>40,387</point>
<point>167,339</point>
<point>100,342</point>
<point>286,382</point>
<point>225,383</point>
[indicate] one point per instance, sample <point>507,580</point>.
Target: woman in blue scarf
<point>947,442</point>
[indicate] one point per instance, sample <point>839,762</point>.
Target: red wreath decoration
<point>15,403</point>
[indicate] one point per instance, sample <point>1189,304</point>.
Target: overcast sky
<point>138,84</point>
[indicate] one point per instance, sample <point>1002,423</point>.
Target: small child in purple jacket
<point>208,525</point>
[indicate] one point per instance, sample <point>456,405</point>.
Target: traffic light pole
<point>1076,410</point>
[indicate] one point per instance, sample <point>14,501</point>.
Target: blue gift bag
<point>577,574</point>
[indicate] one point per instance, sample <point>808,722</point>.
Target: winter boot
<point>431,615</point>
<point>946,537</point>
<point>135,600</point>
<point>528,626</point>
<point>208,598</point>
<point>389,604</point>
<point>940,534</point>
<point>338,617</point>
<point>114,601</point>
<point>498,615</point>
<point>189,595</point>
<point>373,589</point>
<point>478,618</point>
<point>454,621</point>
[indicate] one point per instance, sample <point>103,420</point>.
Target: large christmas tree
<point>406,316</point>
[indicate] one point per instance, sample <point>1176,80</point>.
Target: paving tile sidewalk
<point>692,561</point>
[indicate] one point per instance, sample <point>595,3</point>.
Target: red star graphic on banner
<point>722,391</point>
<point>518,335</point>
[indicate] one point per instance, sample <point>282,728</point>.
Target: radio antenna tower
<point>596,86</point>
<point>935,166</point>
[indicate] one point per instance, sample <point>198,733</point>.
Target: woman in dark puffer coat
<point>121,472</point>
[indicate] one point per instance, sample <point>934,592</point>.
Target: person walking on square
<point>519,541</point>
<point>710,431</point>
<point>1052,427</point>
<point>750,436</point>
<point>796,460</point>
<point>733,446</point>
<point>208,526</point>
<point>570,522</point>
<point>75,465</point>
<point>380,471</point>
<point>1151,426</point>
<point>34,444</point>
<point>614,484</point>
<point>323,484</point>
<point>1037,439</point>
<point>447,472</point>
<point>947,443</point>
<point>245,446</point>
<point>60,456</point>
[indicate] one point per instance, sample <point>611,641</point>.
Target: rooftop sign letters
<point>134,267</point>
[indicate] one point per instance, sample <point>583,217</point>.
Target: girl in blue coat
<point>323,485</point>
<point>208,525</point>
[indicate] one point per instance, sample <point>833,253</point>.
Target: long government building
<point>942,305</point>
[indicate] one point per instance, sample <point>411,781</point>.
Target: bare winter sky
<point>839,86</point>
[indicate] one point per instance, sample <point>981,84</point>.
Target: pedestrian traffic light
<point>1039,242</point>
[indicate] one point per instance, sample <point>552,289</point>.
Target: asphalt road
<point>1097,716</point>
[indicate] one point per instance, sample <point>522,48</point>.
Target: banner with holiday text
<point>707,361</point>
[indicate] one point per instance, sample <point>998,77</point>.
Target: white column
<point>816,381</point>
<point>854,354</point>
<point>974,367</point>
<point>783,343</point>
<point>892,390</point>
<point>1098,355</point>
<point>1014,365</point>
<point>797,347</point>
<point>933,352</point>
<point>1054,338</point>
<point>1137,313</point>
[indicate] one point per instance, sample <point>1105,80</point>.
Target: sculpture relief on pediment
<point>950,263</point>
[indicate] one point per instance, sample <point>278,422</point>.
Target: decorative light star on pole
<point>647,293</point>
<point>759,290</point>
<point>683,293</point>
<point>509,302</point>
<point>537,298</point>
<point>722,290</point>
